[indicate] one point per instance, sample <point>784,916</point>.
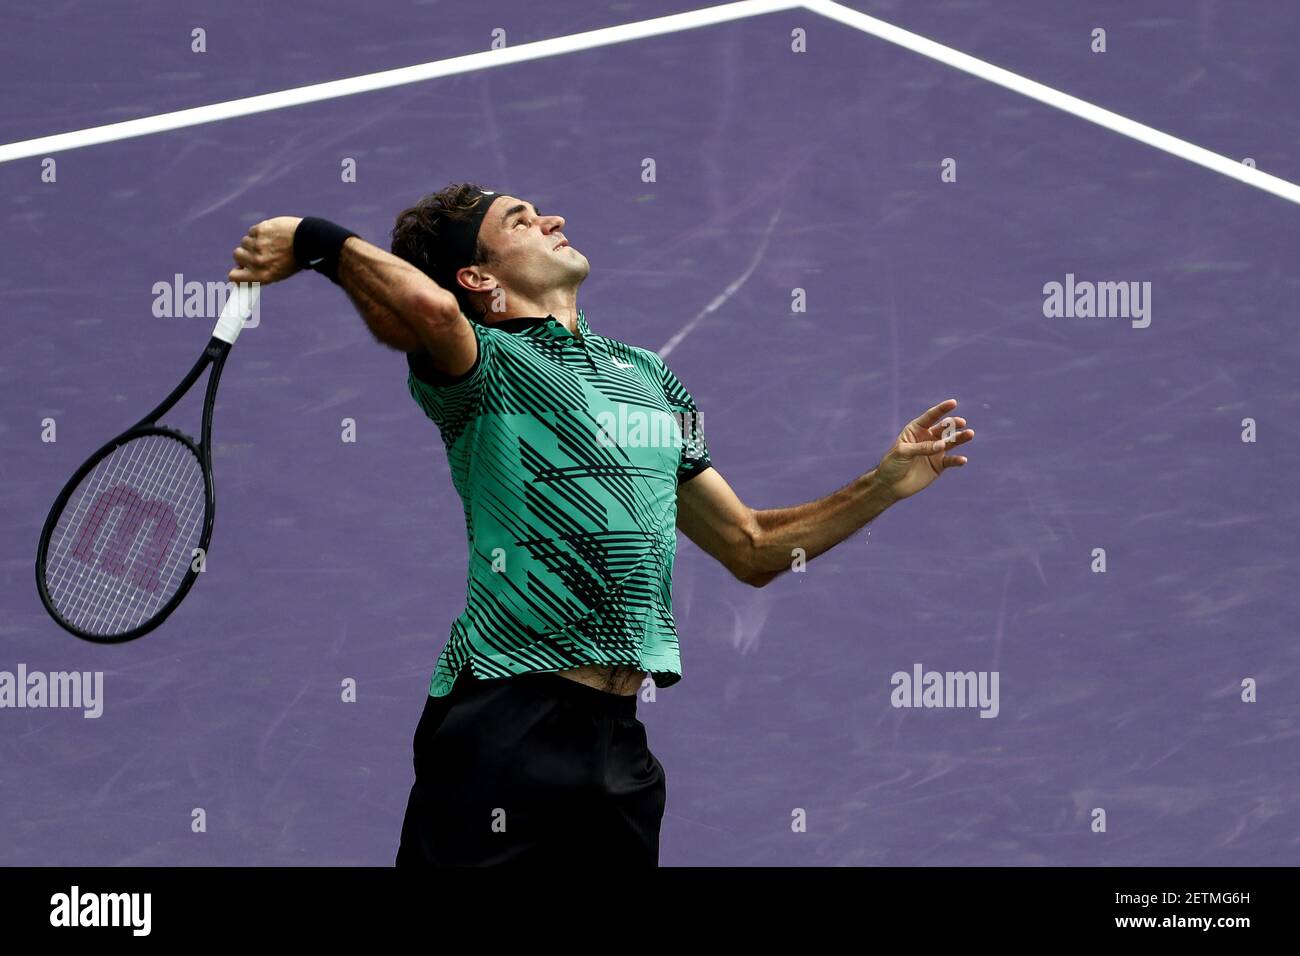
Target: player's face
<point>529,252</point>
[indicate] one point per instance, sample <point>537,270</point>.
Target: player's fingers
<point>249,243</point>
<point>961,437</point>
<point>953,461</point>
<point>241,275</point>
<point>914,449</point>
<point>932,415</point>
<point>936,430</point>
<point>243,257</point>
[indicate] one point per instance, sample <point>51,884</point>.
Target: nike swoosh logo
<point>313,263</point>
<point>623,364</point>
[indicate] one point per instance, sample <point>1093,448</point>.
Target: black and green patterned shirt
<point>567,451</point>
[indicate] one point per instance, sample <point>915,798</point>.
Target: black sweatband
<point>459,240</point>
<point>317,244</point>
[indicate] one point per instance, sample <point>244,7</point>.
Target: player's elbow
<point>745,558</point>
<point>432,310</point>
<point>758,579</point>
<point>423,319</point>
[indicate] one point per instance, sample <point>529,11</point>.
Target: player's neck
<point>563,304</point>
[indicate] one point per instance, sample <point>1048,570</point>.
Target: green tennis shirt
<point>567,451</point>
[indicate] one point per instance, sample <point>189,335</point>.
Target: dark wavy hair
<point>416,238</point>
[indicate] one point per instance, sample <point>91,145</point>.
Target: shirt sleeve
<point>451,402</point>
<point>695,451</point>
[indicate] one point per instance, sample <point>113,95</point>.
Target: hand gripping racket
<point>118,550</point>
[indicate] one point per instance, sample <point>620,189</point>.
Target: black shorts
<point>532,769</point>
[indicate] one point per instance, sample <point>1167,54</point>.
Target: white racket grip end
<point>240,305</point>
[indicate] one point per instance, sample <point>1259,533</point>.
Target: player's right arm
<point>405,309</point>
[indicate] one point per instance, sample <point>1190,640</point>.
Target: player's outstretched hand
<point>918,456</point>
<point>265,254</point>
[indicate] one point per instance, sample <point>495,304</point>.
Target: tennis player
<point>576,457</point>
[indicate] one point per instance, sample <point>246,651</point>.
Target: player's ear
<point>474,279</point>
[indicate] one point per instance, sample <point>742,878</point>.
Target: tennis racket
<point>120,547</point>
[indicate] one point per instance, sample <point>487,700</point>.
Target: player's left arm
<point>756,545</point>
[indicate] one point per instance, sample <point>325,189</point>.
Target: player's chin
<point>580,266</point>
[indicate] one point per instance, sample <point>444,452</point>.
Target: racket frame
<point>232,320</point>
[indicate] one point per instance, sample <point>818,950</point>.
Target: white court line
<point>557,46</point>
<point>1062,101</point>
<point>658,26</point>
<point>721,298</point>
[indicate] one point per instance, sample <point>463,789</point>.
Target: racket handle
<point>240,305</point>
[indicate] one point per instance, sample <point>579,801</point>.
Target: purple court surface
<point>776,170</point>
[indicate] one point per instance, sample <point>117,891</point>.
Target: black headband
<point>459,239</point>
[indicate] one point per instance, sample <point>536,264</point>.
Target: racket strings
<point>148,479</point>
<point>124,541</point>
